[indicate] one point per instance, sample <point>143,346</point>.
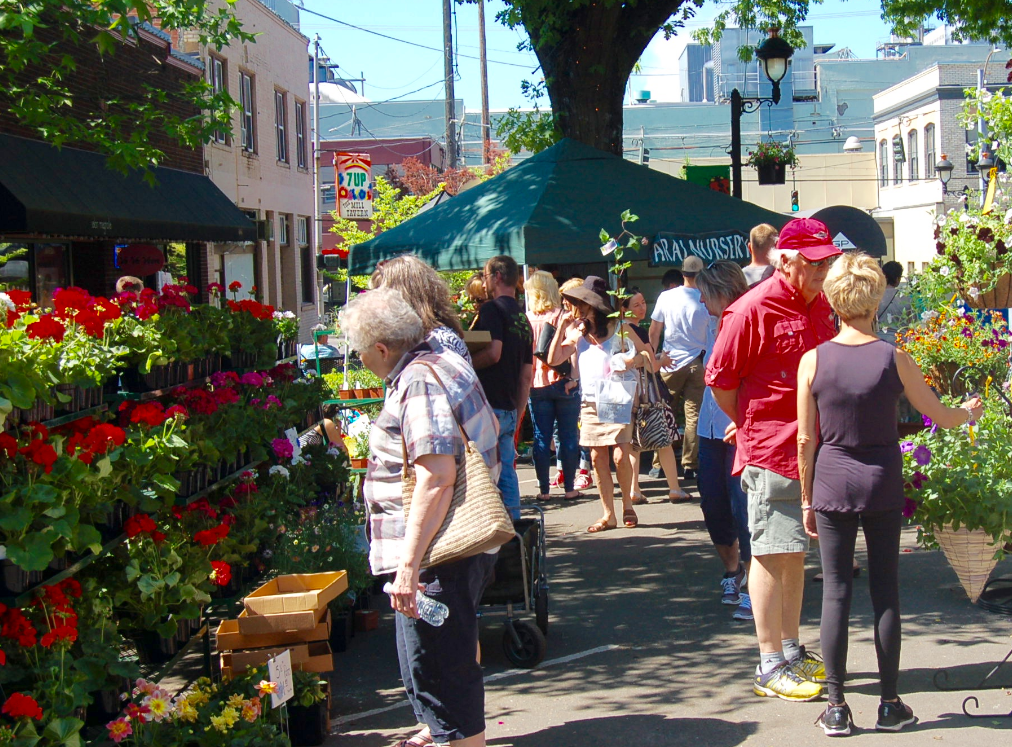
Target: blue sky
<point>395,69</point>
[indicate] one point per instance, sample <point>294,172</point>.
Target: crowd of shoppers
<point>788,430</point>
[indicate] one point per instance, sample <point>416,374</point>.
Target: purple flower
<point>906,447</point>
<point>252,379</point>
<point>988,343</point>
<point>282,448</point>
<point>909,507</point>
<point>967,332</point>
<point>926,421</point>
<point>1002,344</point>
<point>922,455</point>
<point>917,480</point>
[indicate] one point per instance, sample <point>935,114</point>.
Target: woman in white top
<point>603,354</point>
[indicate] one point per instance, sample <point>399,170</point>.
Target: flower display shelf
<point>223,481</point>
<point>354,402</point>
<point>26,596</point>
<point>156,393</point>
<point>74,416</point>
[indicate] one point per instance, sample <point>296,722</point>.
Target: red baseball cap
<point>809,237</point>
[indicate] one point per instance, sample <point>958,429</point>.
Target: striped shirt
<point>418,409</point>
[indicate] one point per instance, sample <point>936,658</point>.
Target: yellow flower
<point>226,720</point>
<point>267,688</point>
<point>186,712</point>
<point>235,701</point>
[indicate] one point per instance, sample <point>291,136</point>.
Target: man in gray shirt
<point>761,239</point>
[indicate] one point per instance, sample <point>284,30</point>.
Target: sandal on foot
<point>576,494</point>
<point>678,496</point>
<point>600,525</point>
<point>543,497</point>
<point>416,741</point>
<point>630,519</point>
<point>639,499</point>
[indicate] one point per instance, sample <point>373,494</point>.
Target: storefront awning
<point>69,192</point>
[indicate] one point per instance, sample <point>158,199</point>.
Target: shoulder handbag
<point>654,422</point>
<point>476,520</point>
<point>544,344</point>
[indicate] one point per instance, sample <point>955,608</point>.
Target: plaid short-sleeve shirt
<point>418,409</point>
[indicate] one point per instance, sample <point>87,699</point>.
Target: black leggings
<point>837,535</point>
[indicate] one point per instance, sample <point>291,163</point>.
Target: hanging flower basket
<point>999,297</point>
<point>772,173</point>
<point>971,555</point>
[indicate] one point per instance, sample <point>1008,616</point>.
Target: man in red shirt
<point>753,374</point>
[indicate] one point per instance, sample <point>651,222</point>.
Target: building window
<point>912,151</point>
<point>307,261</point>
<point>283,230</point>
<point>898,158</point>
<point>929,151</point>
<point>971,142</point>
<point>300,134</point>
<point>883,159</point>
<point>279,126</point>
<point>911,268</point>
<point>219,84</point>
<point>246,109</point>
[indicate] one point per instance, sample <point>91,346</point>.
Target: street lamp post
<point>944,169</point>
<point>774,55</point>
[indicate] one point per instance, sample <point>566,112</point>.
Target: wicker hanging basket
<point>999,297</point>
<point>971,555</point>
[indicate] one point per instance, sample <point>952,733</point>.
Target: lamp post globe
<point>984,165</point>
<point>944,169</point>
<point>774,56</point>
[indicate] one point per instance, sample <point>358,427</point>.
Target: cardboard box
<point>251,624</point>
<point>307,657</point>
<point>230,638</point>
<point>296,593</point>
<point>476,339</point>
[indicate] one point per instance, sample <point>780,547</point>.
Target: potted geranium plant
<point>959,491</point>
<point>770,159</point>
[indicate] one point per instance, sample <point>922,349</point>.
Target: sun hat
<point>809,237</point>
<point>692,265</point>
<point>593,292</point>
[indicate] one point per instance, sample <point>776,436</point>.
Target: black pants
<point>837,535</point>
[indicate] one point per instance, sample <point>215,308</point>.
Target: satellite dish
<point>853,145</point>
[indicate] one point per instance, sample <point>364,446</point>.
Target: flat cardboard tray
<point>229,636</point>
<point>307,657</point>
<point>296,593</point>
<point>476,339</point>
<point>281,623</point>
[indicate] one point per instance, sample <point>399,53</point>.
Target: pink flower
<point>252,379</point>
<point>119,729</point>
<point>282,448</point>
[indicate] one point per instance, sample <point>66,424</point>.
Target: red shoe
<point>559,481</point>
<point>582,481</point>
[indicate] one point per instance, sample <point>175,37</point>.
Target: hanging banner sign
<point>354,185</point>
<point>673,248</point>
<point>139,259</point>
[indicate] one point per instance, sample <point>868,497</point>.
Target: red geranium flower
<point>215,289</point>
<point>103,437</point>
<point>70,301</point>
<point>142,523</point>
<point>22,299</point>
<point>42,454</point>
<point>235,286</point>
<point>19,705</point>
<point>208,537</point>
<point>47,328</point>
<point>151,414</point>
<point>8,445</point>
<point>222,573</point>
<point>177,411</point>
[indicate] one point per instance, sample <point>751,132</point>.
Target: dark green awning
<point>69,192</point>
<point>550,208</point>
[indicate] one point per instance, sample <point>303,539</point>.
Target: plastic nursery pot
<point>345,394</point>
<point>772,173</point>
<point>359,463</point>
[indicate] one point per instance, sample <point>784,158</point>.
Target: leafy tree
<point>44,43</point>
<point>972,19</point>
<point>422,178</point>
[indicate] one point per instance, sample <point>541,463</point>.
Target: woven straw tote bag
<point>476,520</point>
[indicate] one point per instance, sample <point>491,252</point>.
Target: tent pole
<point>525,268</point>
<point>347,298</point>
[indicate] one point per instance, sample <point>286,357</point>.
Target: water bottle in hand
<point>430,610</point>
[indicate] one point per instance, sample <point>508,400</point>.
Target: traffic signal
<point>645,158</point>
<point>899,154</point>
<point>795,206</point>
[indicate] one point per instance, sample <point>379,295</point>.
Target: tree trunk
<point>587,55</point>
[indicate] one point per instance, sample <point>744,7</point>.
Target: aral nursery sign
<point>673,248</point>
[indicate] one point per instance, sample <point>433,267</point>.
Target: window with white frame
<point>929,151</point>
<point>219,83</point>
<point>279,125</point>
<point>283,229</point>
<point>246,109</point>
<point>912,152</point>
<point>307,260</point>
<point>300,134</point>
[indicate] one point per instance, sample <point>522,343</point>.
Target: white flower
<point>985,95</point>
<point>297,460</point>
<point>964,217</point>
<point>974,292</point>
<point>944,271</point>
<point>5,300</point>
<point>333,451</point>
<point>278,470</point>
<point>929,315</point>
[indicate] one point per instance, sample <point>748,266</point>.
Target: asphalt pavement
<point>641,653</point>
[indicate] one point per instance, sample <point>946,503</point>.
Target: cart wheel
<point>532,646</point>
<point>541,608</point>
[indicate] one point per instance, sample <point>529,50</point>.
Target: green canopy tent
<point>551,208</point>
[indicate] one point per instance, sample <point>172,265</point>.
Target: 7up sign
<point>354,185</point>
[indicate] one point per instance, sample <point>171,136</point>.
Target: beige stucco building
<point>264,162</point>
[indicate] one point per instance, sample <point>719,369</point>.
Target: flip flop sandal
<point>543,497</point>
<point>678,496</point>
<point>639,499</point>
<point>573,497</point>
<point>600,526</point>
<point>415,741</point>
<point>630,519</point>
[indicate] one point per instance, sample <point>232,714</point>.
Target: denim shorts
<point>438,665</point>
<point>774,512</point>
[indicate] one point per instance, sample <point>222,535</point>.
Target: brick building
<point>68,216</point>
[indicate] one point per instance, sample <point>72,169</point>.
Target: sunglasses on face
<point>828,261</point>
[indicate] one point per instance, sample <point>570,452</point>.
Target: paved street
<point>642,653</point>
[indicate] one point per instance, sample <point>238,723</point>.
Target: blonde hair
<point>542,292</point>
<point>854,286</point>
<point>568,286</point>
<point>421,287</point>
<point>475,288</point>
<point>762,238</point>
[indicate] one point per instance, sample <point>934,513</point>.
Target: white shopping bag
<point>615,401</point>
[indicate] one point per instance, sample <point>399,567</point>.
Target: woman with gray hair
<point>724,503</point>
<point>428,295</point>
<point>431,399</point>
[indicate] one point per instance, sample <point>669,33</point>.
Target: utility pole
<point>317,217</point>
<point>643,135</point>
<point>451,135</point>
<point>486,125</point>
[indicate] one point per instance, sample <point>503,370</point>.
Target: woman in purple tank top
<point>852,473</point>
